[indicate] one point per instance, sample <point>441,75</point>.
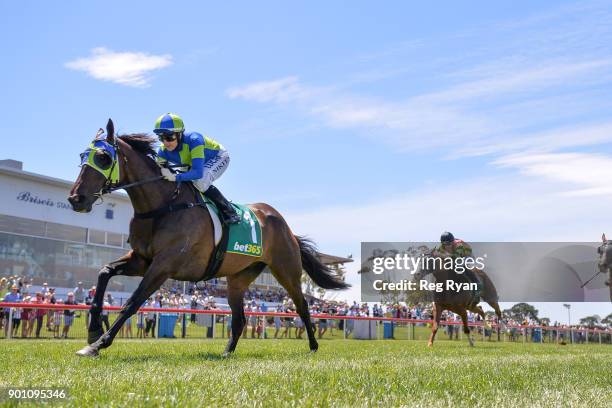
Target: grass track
<point>342,373</point>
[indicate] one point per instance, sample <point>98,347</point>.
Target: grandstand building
<point>42,238</point>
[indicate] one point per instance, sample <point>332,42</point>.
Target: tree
<point>522,311</point>
<point>590,321</point>
<point>607,320</point>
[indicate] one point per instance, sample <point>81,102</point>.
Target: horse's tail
<point>321,274</point>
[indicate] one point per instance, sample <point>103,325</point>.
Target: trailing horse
<point>172,237</point>
<point>605,261</point>
<point>461,301</point>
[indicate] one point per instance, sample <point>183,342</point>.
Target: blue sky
<point>358,122</point>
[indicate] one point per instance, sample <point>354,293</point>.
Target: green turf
<point>342,373</point>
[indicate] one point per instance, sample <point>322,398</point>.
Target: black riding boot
<point>228,213</point>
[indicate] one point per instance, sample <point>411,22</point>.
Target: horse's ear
<point>110,131</point>
<point>603,237</point>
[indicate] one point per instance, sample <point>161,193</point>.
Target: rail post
<point>9,324</point>
<point>157,324</point>
<point>214,325</point>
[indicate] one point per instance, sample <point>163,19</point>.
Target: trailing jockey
<point>457,248</point>
<point>206,159</point>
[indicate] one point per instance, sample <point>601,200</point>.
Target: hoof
<point>430,345</point>
<point>93,336</point>
<point>226,354</point>
<point>88,351</point>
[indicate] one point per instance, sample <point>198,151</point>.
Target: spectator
<point>277,321</point>
<point>57,320</point>
<point>40,313</point>
<point>25,318</point>
<point>140,325</point>
<point>79,293</point>
<point>14,297</point>
<point>68,314</point>
<point>151,318</point>
<point>104,316</point>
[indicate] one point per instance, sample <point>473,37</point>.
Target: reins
<point>109,187</point>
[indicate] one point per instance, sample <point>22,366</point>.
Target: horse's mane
<point>140,142</point>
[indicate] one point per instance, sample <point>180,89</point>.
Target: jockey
<point>456,248</point>
<point>206,159</point>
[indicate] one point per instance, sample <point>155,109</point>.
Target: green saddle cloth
<point>245,236</point>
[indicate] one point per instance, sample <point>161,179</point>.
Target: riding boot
<point>227,211</point>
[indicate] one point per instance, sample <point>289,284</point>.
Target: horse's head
<point>605,254</point>
<point>99,170</point>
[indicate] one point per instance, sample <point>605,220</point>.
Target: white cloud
<point>545,141</point>
<point>282,90</point>
<point>582,174</point>
<point>125,68</point>
<point>478,100</point>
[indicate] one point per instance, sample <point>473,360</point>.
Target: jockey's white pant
<point>213,170</point>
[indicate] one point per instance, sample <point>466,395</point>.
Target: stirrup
<point>230,218</point>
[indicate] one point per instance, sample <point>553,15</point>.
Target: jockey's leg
<point>212,171</point>
<point>228,213</point>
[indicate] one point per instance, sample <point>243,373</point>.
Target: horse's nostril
<point>74,199</point>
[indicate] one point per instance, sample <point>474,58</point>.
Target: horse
<point>458,302</point>
<point>174,239</point>
<point>605,260</point>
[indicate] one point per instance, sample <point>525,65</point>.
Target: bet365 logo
<point>248,249</point>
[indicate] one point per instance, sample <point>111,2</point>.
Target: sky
<point>357,122</point>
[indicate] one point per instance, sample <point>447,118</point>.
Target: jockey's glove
<point>168,175</point>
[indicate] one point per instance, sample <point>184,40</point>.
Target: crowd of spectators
<point>29,322</point>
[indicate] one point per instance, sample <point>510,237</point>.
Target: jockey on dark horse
<point>457,248</point>
<point>206,158</point>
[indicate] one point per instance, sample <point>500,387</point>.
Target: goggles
<point>165,134</point>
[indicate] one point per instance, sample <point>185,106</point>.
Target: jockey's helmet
<point>168,124</point>
<point>447,237</point>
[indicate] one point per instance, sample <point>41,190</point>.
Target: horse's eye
<point>102,160</point>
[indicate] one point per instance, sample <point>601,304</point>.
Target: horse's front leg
<point>437,313</point>
<point>128,265</point>
<point>154,277</point>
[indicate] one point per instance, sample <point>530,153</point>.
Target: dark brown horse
<point>459,302</point>
<point>179,244</point>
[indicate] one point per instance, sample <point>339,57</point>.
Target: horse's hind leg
<point>466,329</point>
<point>236,285</point>
<point>478,309</point>
<point>499,315</point>
<point>289,275</point>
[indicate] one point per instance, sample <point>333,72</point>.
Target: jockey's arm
<point>196,150</point>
